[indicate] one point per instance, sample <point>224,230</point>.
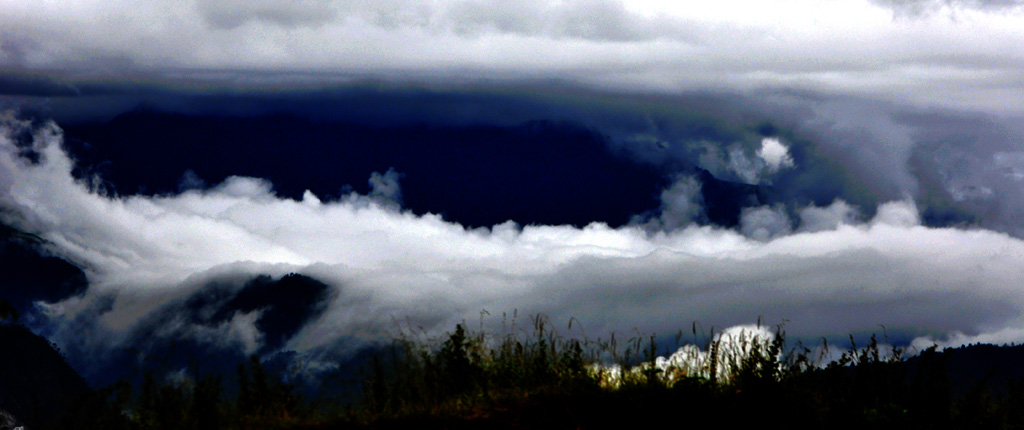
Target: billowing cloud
<point>681,205</point>
<point>813,218</point>
<point>384,187</point>
<point>763,223</point>
<point>382,266</point>
<point>775,154</point>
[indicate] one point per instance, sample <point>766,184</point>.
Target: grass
<point>472,377</point>
<point>532,376</point>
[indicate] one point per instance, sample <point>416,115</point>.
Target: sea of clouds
<point>829,273</point>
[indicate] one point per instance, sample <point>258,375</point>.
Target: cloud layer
<point>834,274</point>
<point>953,54</point>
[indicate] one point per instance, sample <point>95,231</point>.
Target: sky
<point>315,175</point>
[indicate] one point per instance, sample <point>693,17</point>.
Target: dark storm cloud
<point>864,152</point>
<point>479,175</point>
<point>25,84</point>
<point>861,151</point>
<point>848,48</point>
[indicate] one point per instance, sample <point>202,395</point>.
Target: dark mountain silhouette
<point>36,384</point>
<point>285,305</point>
<point>975,368</point>
<point>28,274</point>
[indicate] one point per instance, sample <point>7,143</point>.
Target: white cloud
<point>681,205</point>
<point>384,187</point>
<point>813,218</point>
<point>385,265</point>
<point>738,163</point>
<point>901,214</point>
<point>240,329</point>
<point>775,154</point>
<point>733,344</point>
<point>764,223</point>
<point>1005,336</point>
<point>747,169</point>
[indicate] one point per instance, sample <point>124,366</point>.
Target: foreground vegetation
<point>534,377</point>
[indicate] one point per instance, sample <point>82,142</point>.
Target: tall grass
<point>468,375</point>
<point>531,375</point>
<point>467,371</point>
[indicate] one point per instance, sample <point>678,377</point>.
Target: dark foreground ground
<point>539,382</point>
